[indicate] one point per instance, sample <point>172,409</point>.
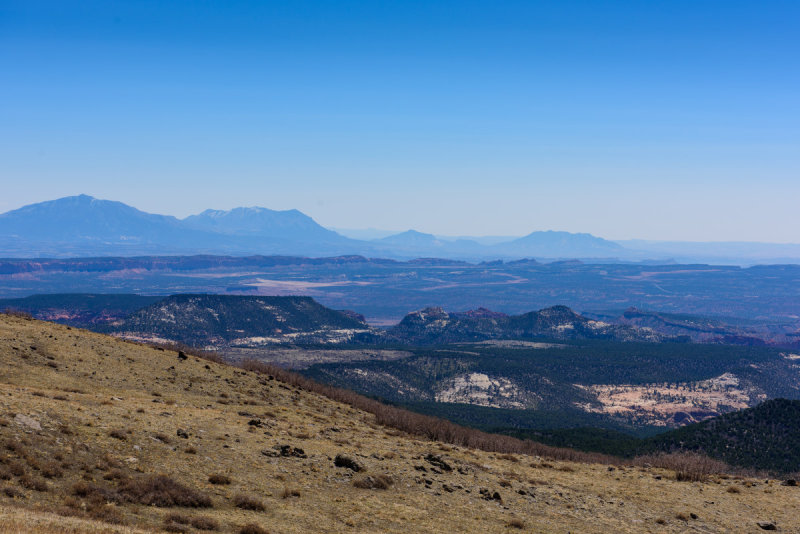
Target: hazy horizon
<point>373,234</point>
<point>628,120</point>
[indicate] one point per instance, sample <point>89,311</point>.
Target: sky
<point>673,120</point>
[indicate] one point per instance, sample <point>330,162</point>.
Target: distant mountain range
<point>81,226</point>
<point>226,320</point>
<point>214,320</point>
<point>434,326</point>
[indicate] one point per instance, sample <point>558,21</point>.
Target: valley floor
<point>85,417</point>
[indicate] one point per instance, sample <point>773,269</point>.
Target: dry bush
<point>219,479</point>
<point>12,312</point>
<point>175,528</point>
<point>733,489</point>
<point>161,491</point>
<point>381,482</point>
<point>688,466</point>
<point>247,502</point>
<point>289,492</point>
<point>252,528</point>
<point>204,522</point>
<point>106,513</point>
<point>10,491</point>
<point>177,517</point>
<point>32,483</point>
<point>115,474</point>
<point>516,523</point>
<point>16,469</point>
<point>51,470</point>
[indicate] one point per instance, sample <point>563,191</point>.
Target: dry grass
<point>96,481</point>
<point>687,466</point>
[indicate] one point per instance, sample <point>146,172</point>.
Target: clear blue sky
<point>627,119</point>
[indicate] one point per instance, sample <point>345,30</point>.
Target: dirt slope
<point>88,421</point>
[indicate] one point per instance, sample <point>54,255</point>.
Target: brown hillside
<point>101,435</point>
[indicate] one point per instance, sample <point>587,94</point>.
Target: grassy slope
<point>81,386</point>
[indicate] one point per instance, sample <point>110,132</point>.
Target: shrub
<point>16,469</point>
<point>32,483</point>
<point>252,528</point>
<point>205,523</point>
<point>246,502</point>
<point>162,491</point>
<point>289,492</point>
<point>219,479</point>
<point>108,514</point>
<point>13,492</point>
<point>175,527</point>
<point>688,466</point>
<point>516,523</point>
<point>176,517</point>
<point>52,470</point>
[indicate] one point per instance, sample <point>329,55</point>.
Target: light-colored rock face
<point>667,404</point>
<point>27,422</point>
<point>480,389</point>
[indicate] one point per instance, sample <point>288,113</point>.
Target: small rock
<point>183,434</point>
<point>30,422</point>
<point>289,451</point>
<point>766,525</point>
<point>182,355</point>
<point>346,461</point>
<point>789,482</point>
<point>438,462</point>
<point>693,515</point>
